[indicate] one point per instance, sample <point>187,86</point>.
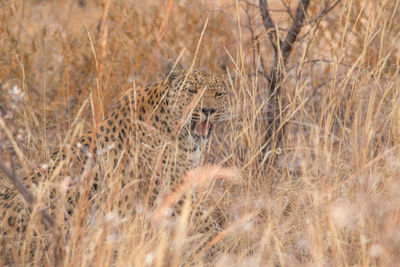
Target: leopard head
<point>197,98</point>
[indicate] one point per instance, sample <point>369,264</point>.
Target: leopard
<point>151,139</point>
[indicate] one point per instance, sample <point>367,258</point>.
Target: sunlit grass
<point>328,195</point>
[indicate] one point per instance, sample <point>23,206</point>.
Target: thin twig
<point>287,9</point>
<point>328,8</point>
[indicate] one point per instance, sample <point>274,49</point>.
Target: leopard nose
<point>208,111</point>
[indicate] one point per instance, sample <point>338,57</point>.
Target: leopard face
<point>199,99</point>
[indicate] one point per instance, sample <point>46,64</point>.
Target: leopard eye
<point>192,90</point>
<point>218,94</point>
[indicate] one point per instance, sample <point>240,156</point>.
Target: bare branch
<point>328,8</point>
<point>252,36</point>
<point>287,9</point>
<point>267,20</point>
<point>268,23</point>
<point>282,51</point>
<point>294,29</point>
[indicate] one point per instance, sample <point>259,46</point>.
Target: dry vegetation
<point>328,195</point>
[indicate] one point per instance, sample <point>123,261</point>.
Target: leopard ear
<point>173,69</point>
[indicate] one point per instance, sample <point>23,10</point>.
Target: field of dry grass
<point>328,195</point>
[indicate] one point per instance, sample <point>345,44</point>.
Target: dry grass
<point>331,197</point>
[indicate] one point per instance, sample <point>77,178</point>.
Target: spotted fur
<point>149,139</point>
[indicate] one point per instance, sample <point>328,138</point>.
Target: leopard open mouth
<point>202,129</point>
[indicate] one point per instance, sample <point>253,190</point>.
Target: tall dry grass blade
<point>194,178</point>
